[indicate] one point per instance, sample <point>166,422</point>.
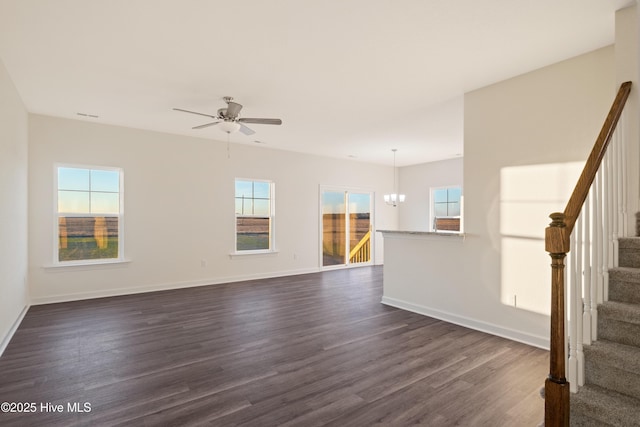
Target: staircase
<point>595,300</point>
<point>611,394</point>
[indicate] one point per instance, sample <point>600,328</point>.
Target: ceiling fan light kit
<point>229,126</point>
<point>228,119</point>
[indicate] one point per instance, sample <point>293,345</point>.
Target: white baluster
<point>606,222</point>
<point>596,270</point>
<point>586,282</point>
<point>615,195</point>
<point>576,299</point>
<point>572,312</point>
<point>620,135</point>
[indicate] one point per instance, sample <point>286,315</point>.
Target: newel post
<point>556,387</point>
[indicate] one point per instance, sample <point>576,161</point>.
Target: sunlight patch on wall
<point>528,194</point>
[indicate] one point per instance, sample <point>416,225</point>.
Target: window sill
<point>404,234</point>
<point>86,265</point>
<point>242,254</point>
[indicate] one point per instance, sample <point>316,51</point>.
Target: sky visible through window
<point>253,198</point>
<point>447,201</point>
<point>333,202</point>
<point>88,191</point>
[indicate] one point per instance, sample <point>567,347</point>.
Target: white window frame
<point>432,208</point>
<point>56,216</point>
<point>272,220</point>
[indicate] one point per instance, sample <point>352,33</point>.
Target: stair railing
<point>590,225</point>
<point>362,251</point>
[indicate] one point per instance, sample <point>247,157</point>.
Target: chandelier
<point>394,198</point>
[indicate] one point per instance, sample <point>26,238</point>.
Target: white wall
<point>13,207</point>
<point>179,207</point>
<point>549,117</point>
<point>416,182</point>
<point>627,48</point>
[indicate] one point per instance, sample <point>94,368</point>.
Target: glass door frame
<point>346,190</point>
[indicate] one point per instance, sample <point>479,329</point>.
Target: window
<point>446,208</point>
<point>254,215</point>
<point>89,214</point>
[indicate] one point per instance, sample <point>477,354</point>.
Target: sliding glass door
<point>346,227</point>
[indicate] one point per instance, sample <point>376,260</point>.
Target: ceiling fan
<point>228,120</point>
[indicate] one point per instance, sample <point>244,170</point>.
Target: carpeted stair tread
<point>604,407</point>
<point>618,355</point>
<point>629,243</point>
<point>626,274</point>
<point>624,285</point>
<point>613,366</point>
<point>619,322</point>
<point>620,311</point>
<point>579,420</point>
<point>629,252</point>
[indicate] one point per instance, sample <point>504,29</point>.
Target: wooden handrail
<point>556,388</point>
<point>588,174</point>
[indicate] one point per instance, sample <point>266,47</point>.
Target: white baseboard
<point>514,335</point>
<point>163,287</point>
<point>14,328</point>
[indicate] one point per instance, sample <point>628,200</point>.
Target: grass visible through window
<point>87,238</point>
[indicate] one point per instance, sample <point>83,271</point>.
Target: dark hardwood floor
<point>309,350</point>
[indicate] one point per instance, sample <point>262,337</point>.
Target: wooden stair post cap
<point>556,237</point>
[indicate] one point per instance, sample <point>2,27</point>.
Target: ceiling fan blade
<point>260,121</point>
<point>195,112</point>
<point>246,130</point>
<point>233,109</point>
<point>206,125</point>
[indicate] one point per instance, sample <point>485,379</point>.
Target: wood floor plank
<point>308,350</point>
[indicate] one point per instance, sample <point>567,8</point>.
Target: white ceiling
<point>349,78</point>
